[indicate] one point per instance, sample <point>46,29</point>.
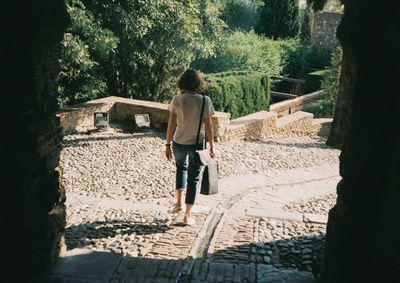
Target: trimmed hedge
<point>240,93</point>
<point>313,81</point>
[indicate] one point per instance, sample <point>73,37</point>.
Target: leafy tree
<point>157,41</point>
<point>85,47</point>
<point>279,19</point>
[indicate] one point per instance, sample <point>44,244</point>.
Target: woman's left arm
<point>208,126</point>
<point>170,131</point>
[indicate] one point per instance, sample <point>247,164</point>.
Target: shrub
<point>241,51</point>
<point>314,81</point>
<point>239,93</point>
<point>330,84</point>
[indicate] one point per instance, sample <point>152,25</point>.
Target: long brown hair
<point>191,81</point>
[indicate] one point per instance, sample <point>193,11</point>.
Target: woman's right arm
<point>170,131</point>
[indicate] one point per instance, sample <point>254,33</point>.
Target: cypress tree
<point>307,22</point>
<point>280,19</point>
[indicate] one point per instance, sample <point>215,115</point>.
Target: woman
<point>182,128</point>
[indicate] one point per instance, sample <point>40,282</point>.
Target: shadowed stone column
<point>35,199</point>
<point>363,233</point>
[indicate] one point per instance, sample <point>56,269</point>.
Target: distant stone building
<point>324,31</point>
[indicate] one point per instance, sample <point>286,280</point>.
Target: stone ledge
<point>275,214</point>
<point>315,218</point>
<point>292,105</point>
<point>289,119</point>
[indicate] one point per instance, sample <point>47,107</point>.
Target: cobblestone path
<point>252,231</point>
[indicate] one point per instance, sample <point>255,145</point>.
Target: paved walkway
<point>243,234</point>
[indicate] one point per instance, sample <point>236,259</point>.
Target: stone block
<point>275,214</point>
<point>315,218</point>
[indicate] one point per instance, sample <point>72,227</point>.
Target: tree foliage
<point>279,19</point>
<point>158,40</point>
<point>86,46</point>
<point>240,14</point>
<point>307,21</point>
<point>134,48</point>
<point>242,51</point>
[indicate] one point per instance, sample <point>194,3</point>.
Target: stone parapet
<point>80,117</point>
<point>292,105</point>
<point>250,127</point>
<point>322,126</point>
<point>284,119</point>
<point>296,124</point>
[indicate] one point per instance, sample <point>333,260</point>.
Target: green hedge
<point>313,81</point>
<point>239,93</point>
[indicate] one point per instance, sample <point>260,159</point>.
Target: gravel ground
<point>319,205</point>
<point>133,167</point>
<point>286,244</point>
<point>125,166</point>
<point>115,230</point>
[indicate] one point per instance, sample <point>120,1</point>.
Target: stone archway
<point>362,242</point>
<point>363,230</point>
<point>35,212</point>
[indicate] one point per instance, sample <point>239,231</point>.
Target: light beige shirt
<point>187,108</point>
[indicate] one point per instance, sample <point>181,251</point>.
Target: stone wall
<point>292,105</point>
<point>296,124</point>
<point>323,36</point>
<point>282,120</point>
<point>250,127</point>
<point>263,124</point>
<point>79,117</point>
<point>35,215</point>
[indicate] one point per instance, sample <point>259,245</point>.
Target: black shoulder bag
<point>209,178</point>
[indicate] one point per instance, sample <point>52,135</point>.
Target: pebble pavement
<point>132,168</point>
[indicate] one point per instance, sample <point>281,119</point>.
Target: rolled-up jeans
<point>188,169</point>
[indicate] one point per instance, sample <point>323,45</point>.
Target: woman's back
<point>187,108</point>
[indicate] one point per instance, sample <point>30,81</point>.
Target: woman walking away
<point>183,124</point>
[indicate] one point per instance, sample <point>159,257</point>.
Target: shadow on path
<point>256,262</point>
<point>82,234</point>
<point>319,143</point>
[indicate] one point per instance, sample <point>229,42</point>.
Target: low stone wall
<point>322,126</point>
<point>126,109</point>
<point>292,105</point>
<point>296,124</point>
<point>283,120</point>
<point>80,117</point>
<point>250,127</point>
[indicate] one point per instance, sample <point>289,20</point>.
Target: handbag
<point>210,173</point>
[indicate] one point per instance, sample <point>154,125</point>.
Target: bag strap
<point>201,118</point>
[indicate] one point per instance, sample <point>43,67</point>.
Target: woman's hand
<point>212,153</point>
<point>168,153</point>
